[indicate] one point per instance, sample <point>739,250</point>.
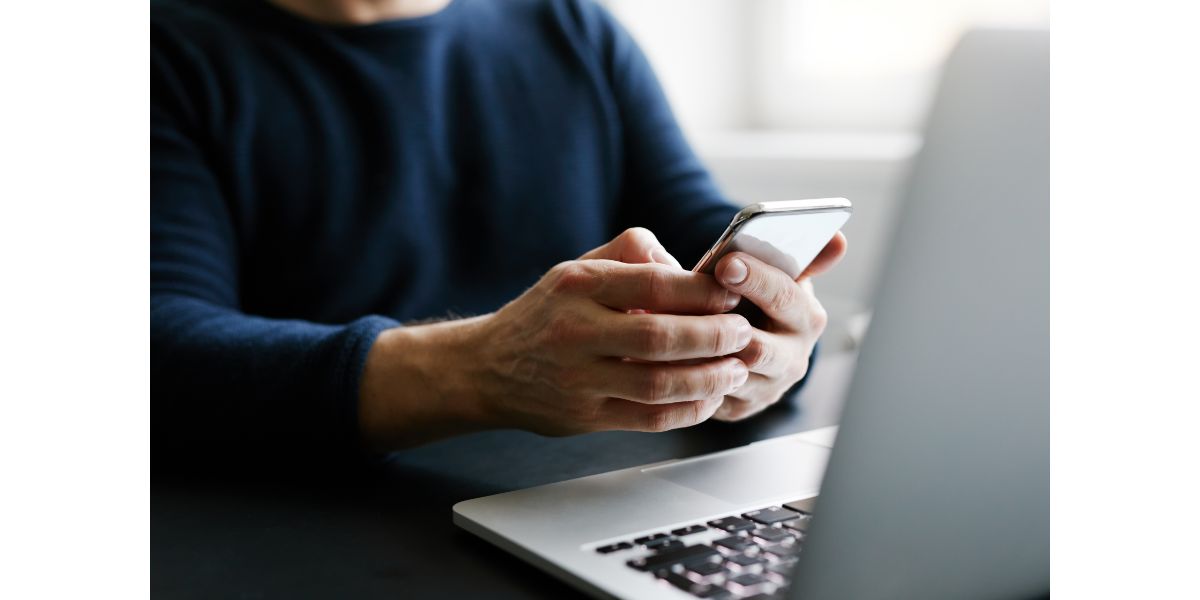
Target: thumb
<point>634,246</point>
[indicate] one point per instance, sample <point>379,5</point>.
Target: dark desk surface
<point>391,536</point>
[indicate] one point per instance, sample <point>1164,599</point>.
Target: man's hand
<point>575,353</point>
<point>778,353</point>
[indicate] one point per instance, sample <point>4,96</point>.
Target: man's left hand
<point>779,351</point>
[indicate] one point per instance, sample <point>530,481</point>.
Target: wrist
<point>417,386</point>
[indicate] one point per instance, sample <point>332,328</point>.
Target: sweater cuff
<point>356,342</point>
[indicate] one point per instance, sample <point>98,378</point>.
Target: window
<point>813,65</point>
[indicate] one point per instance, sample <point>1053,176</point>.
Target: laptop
<point>936,484</point>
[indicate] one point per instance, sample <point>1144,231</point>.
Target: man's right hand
<point>587,348</point>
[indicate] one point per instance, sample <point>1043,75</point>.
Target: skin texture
<point>622,338</point>
<point>778,354</point>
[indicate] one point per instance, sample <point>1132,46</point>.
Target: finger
<point>634,416</point>
<point>829,256</point>
<point>778,295</point>
<point>654,288</point>
<point>767,354</point>
<point>660,383</point>
<point>745,403</point>
<point>634,246</point>
<point>735,409</point>
<point>660,337</point>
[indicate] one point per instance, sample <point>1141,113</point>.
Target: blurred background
<point>788,99</point>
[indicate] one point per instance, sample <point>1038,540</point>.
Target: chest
<point>450,170</point>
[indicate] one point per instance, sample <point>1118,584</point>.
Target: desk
<point>392,536</point>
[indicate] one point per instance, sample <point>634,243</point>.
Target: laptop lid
<point>938,486</point>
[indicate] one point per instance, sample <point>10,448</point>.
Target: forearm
<point>554,360</point>
<point>417,385</point>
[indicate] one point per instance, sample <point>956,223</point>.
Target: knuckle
<point>653,339</point>
<point>728,408</point>
<point>739,410</point>
<point>632,241</point>
<point>572,277</point>
<point>557,271</point>
<point>785,299</point>
<point>658,385</point>
<point>662,419</point>
<point>818,318</point>
<point>718,299</point>
<point>724,336</point>
<point>713,382</point>
<point>636,234</point>
<point>729,334</point>
<point>759,354</point>
<point>654,282</point>
<point>695,413</point>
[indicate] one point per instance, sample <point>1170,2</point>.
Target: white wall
<point>699,49</point>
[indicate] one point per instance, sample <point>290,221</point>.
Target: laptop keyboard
<point>751,555</point>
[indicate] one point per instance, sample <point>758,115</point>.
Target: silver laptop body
<point>939,483</point>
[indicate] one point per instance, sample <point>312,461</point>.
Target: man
<point>326,170</point>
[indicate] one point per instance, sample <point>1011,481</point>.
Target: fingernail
<point>744,332</point>
<point>662,257</point>
<point>731,299</point>
<point>735,272</point>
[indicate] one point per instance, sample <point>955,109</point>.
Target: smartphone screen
<point>788,239</point>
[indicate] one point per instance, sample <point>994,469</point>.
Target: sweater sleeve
<point>665,187</point>
<point>224,382</point>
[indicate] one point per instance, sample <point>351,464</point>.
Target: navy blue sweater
<point>313,185</point>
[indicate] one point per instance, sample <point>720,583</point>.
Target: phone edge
<point>760,208</point>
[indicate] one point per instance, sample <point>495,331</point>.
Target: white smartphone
<point>787,234</point>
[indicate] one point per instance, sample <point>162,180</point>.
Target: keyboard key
<point>650,538</point>
<point>673,556</point>
<point>660,543</point>
<point>750,583</point>
<point>734,544</point>
<point>682,531</point>
<point>713,593</point>
<point>703,572</point>
<point>798,524</point>
<point>781,551</point>
<point>676,580</point>
<point>700,590</point>
<point>773,596</point>
<point>745,564</point>
<point>731,524</point>
<point>768,516</point>
<point>783,567</point>
<point>614,547</point>
<point>780,572</point>
<point>771,535</point>
<point>803,506</point>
